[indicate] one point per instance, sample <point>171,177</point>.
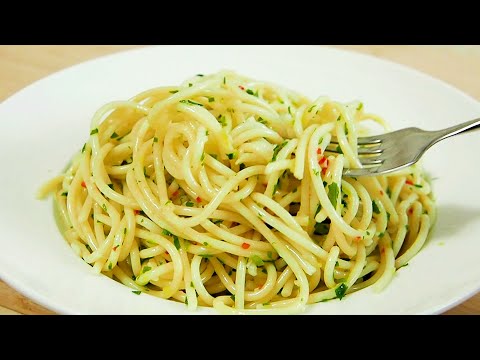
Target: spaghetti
<point>221,192</point>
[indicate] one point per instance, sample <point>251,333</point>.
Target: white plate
<point>44,124</point>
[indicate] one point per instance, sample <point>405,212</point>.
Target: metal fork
<point>382,154</point>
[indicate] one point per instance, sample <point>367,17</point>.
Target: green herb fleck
<point>104,207</point>
<point>189,204</point>
<point>231,156</point>
<point>190,102</point>
<point>137,292</point>
<point>381,235</point>
<point>83,148</point>
<point>418,185</point>
<point>341,290</point>
<point>176,242</point>
<point>242,166</point>
<point>316,172</point>
<point>388,216</point>
<point>339,149</point>
<point>311,108</point>
<point>333,191</point>
<point>277,149</point>
<point>166,232</point>
<point>375,208</point>
<point>250,92</point>
<point>155,139</point>
<point>360,106</point>
<point>257,260</point>
<point>211,99</point>
<point>202,157</point>
<point>217,221</point>
<point>269,254</point>
<point>262,121</point>
<point>173,91</point>
<point>319,207</point>
<point>94,131</point>
<point>65,193</point>
<point>346,129</point>
<point>146,268</point>
<point>222,120</point>
<point>232,297</point>
<point>114,135</point>
<point>110,265</point>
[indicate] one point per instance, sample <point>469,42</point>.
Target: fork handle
<point>458,129</point>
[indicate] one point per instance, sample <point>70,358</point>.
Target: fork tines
<point>369,150</point>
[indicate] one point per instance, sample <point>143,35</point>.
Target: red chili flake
<point>115,247</point>
<point>234,223</point>
<point>245,246</point>
<point>166,252</point>
<point>259,286</point>
<point>83,184</point>
<point>381,192</point>
<point>323,162</point>
<point>264,184</point>
<point>241,87</point>
<point>175,193</point>
<point>136,212</point>
<point>198,199</point>
<point>383,250</point>
<point>410,211</point>
<point>409,182</point>
<point>319,151</point>
<point>324,171</point>
<point>358,238</point>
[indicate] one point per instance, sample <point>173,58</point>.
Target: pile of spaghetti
<point>221,192</point>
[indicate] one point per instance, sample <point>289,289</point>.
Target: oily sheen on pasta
<point>220,192</point>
